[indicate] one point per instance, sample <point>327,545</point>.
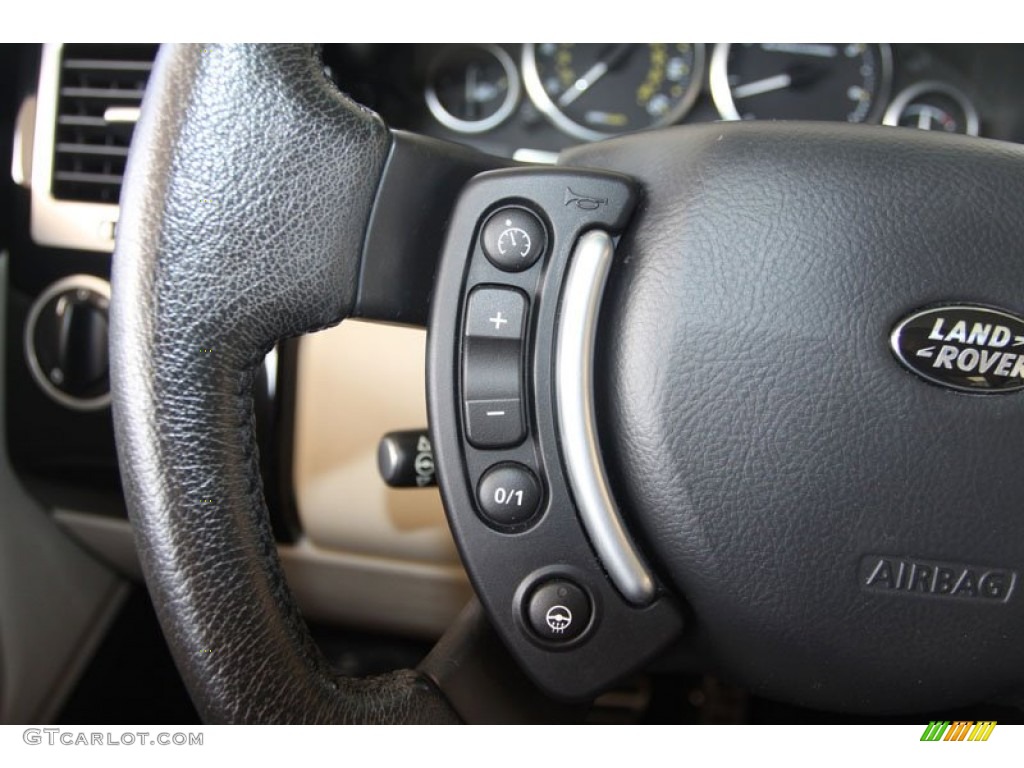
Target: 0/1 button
<point>508,494</point>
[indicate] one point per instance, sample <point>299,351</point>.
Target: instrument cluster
<point>535,99</point>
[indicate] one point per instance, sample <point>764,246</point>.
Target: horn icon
<point>584,202</point>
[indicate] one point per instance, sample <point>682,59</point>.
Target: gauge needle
<point>767,85</point>
<point>583,83</point>
<point>592,75</point>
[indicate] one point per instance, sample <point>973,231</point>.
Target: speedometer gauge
<point>594,90</point>
<point>801,81</point>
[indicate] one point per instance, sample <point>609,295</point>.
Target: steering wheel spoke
<point>421,181</point>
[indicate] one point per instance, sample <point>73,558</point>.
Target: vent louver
<point>100,91</point>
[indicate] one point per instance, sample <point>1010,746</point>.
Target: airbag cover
<point>849,535</point>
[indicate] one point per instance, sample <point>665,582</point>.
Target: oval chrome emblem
<point>965,347</point>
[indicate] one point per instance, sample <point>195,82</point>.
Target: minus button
<point>495,423</point>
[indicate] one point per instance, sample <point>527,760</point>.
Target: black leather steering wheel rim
<point>243,215</point>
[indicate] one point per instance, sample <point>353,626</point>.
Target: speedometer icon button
<point>513,239</point>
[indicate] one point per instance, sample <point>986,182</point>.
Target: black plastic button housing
<point>492,367</point>
<point>496,313</point>
<point>495,423</point>
<point>509,494</point>
<point>558,611</point>
<point>513,239</point>
<point>406,459</point>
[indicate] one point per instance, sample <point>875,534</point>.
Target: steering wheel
<point>748,382</point>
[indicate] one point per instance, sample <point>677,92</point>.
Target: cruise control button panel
<point>498,457</point>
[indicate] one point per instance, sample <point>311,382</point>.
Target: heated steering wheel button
<point>513,239</point>
<point>495,313</point>
<point>558,611</point>
<point>508,494</point>
<point>495,423</point>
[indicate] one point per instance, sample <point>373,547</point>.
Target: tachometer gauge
<point>801,81</point>
<point>595,90</point>
<point>472,88</point>
<point>934,106</point>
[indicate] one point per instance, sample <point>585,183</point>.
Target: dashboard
<point>533,100</point>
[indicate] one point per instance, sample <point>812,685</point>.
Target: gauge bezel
<point>721,93</point>
<point>471,127</point>
<point>912,93</point>
<point>543,102</point>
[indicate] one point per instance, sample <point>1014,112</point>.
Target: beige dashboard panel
<point>370,556</point>
<point>356,382</point>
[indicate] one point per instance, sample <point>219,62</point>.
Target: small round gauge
<point>594,90</point>
<point>801,81</point>
<point>933,106</point>
<point>472,88</point>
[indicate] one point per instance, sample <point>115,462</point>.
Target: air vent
<point>100,91</point>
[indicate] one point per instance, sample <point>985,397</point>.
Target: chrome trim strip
<point>270,365</point>
<point>21,152</point>
<point>61,223</point>
<point>718,81</point>
<point>122,114</point>
<point>539,156</point>
<point>574,388</point>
